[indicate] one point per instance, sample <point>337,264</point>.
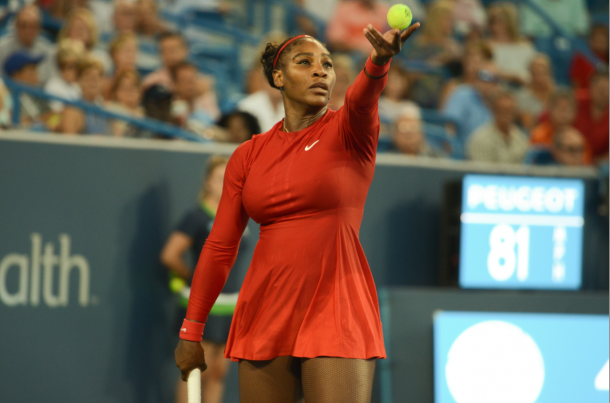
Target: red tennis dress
<point>309,291</point>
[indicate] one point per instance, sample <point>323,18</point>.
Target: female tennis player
<point>307,318</point>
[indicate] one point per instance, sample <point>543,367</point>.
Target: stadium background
<point>113,201</point>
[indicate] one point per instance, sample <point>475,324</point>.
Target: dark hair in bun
<point>270,53</point>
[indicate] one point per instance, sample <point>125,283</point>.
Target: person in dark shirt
<point>567,149</point>
<point>190,235</point>
<point>592,116</point>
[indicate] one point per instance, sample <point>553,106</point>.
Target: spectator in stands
<point>570,15</point>
<point>255,79</point>
<point>266,105</point>
<point>22,66</point>
<point>408,137</point>
<point>102,12</point>
<point>499,140</point>
<point>157,103</point>
<point>304,23</point>
<point>532,100</point>
<point>393,99</point>
<point>59,8</point>
<point>324,10</point>
<point>581,69</point>
<point>468,104</point>
<point>91,81</point>
<point>124,17</point>
<point>125,97</point>
<point>568,148</point>
<point>562,111</point>
<point>511,53</point>
<point>468,15</point>
<point>174,50</point>
<point>148,23</point>
<point>345,74</point>
<point>189,107</point>
<point>27,38</point>
<point>435,44</point>
<point>436,47</point>
<point>65,85</point>
<point>80,26</point>
<point>344,30</point>
<point>592,116</point>
<point>241,126</point>
<point>476,52</point>
<point>123,51</point>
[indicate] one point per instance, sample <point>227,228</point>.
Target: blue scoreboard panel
<point>521,232</point>
<point>520,358</point>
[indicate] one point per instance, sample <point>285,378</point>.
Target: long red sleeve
<point>220,249</point>
<point>360,119</point>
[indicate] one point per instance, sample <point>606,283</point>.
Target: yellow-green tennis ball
<point>400,16</point>
<point>177,284</point>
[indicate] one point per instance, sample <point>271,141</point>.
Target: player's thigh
<point>337,380</point>
<point>272,381</point>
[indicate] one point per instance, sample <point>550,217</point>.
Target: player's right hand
<point>189,355</point>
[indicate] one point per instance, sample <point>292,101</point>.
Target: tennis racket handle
<point>194,386</point>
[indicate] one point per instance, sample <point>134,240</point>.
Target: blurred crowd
<point>476,82</point>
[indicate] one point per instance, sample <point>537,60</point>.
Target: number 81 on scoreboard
<point>520,232</point>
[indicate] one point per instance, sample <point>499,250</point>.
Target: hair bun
<point>267,59</point>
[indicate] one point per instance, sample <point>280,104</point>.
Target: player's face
<point>307,74</point>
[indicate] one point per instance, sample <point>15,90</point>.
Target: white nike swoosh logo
<point>307,148</point>
<point>183,330</point>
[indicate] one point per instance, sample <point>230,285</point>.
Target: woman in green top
<point>191,234</point>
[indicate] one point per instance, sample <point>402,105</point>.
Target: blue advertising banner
<point>520,357</point>
<point>521,232</point>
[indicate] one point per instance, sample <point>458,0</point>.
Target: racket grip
<point>194,386</point>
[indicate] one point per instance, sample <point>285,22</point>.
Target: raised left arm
<point>360,120</point>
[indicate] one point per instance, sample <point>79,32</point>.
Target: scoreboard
<point>521,232</point>
<point>484,357</point>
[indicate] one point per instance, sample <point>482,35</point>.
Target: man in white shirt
<point>266,105</point>
<point>499,140</point>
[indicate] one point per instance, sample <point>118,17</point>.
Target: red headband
<point>286,44</point>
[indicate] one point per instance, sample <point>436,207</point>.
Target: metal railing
<point>154,126</point>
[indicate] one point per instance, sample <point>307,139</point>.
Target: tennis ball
<point>400,16</point>
<point>177,284</point>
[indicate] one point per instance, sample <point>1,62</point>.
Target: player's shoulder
<point>246,152</point>
<point>256,142</point>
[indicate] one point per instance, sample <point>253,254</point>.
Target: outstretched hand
<point>389,44</point>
